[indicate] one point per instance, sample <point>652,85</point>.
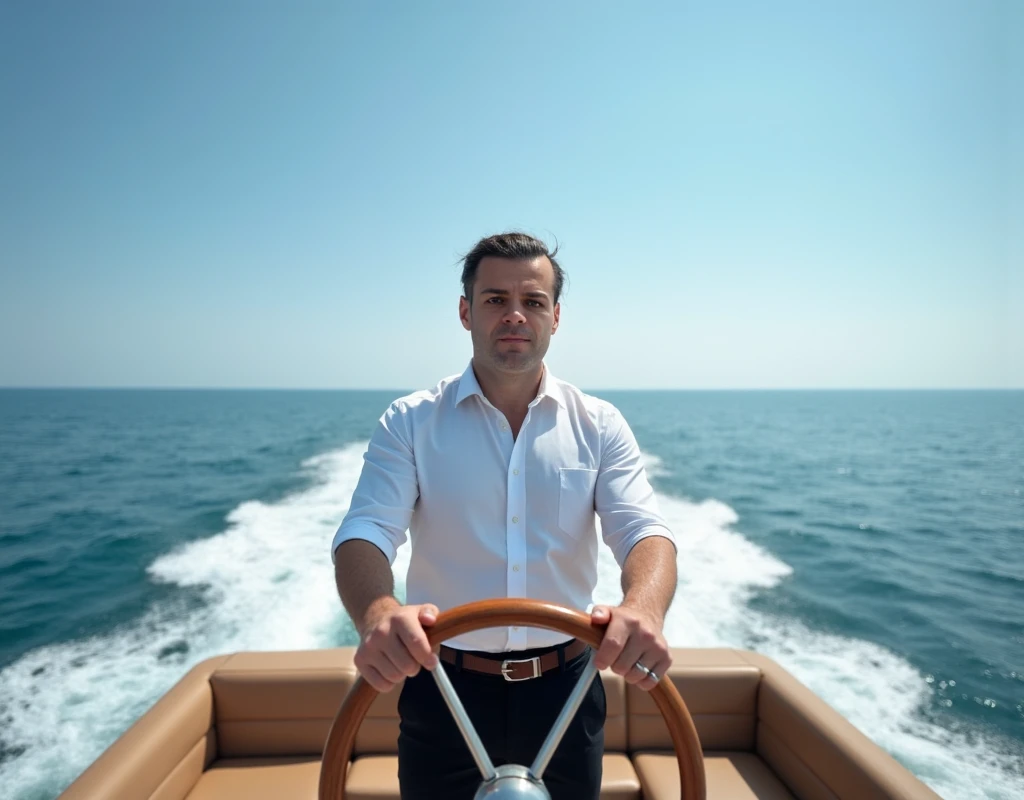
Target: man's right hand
<point>394,644</point>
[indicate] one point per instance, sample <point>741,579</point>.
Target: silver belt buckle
<point>506,668</point>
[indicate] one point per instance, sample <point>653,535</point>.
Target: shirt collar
<point>549,388</point>
<point>469,385</point>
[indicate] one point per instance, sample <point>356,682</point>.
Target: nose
<point>513,314</point>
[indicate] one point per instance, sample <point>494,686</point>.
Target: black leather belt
<point>514,669</point>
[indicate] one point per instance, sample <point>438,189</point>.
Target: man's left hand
<point>632,636</point>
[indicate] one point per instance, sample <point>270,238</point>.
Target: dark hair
<point>514,245</point>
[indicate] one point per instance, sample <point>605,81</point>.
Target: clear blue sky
<point>746,194</point>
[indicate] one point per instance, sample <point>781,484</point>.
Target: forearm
<point>365,582</point>
<point>649,576</point>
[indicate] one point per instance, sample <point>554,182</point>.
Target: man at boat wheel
<point>497,475</point>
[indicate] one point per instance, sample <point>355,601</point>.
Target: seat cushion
<point>376,778</point>
<point>730,776</point>
<point>618,778</point>
<point>293,777</point>
<point>369,778</point>
<point>372,778</point>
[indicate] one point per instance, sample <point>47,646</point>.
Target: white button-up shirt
<point>495,516</point>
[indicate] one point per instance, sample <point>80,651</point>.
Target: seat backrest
<point>278,704</point>
<point>275,704</point>
<point>271,704</point>
<point>720,690</point>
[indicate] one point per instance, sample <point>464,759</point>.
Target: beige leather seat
<point>253,725</point>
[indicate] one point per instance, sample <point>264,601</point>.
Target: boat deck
<point>254,725</point>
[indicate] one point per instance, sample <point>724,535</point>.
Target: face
<point>512,316</point>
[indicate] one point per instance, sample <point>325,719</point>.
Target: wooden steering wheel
<point>502,613</point>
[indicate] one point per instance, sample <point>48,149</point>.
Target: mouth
<point>512,339</point>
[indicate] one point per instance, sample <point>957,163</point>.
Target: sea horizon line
<point>129,388</point>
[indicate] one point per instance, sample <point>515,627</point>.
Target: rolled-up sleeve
<point>386,494</point>
<point>623,498</point>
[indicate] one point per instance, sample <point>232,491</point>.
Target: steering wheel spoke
<point>476,747</point>
<point>572,705</point>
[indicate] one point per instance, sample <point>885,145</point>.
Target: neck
<point>510,394</point>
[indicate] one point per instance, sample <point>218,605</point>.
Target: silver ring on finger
<point>648,672</point>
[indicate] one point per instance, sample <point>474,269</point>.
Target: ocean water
<point>871,542</point>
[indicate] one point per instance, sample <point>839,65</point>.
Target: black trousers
<point>512,720</point>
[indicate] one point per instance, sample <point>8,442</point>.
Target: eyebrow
<point>505,293</point>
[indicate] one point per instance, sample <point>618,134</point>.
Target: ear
<point>557,311</point>
<point>465,313</point>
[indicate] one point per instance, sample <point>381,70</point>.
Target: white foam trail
<point>267,584</point>
<point>879,692</point>
<point>65,703</point>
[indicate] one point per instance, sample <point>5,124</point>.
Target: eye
<point>495,299</point>
<point>535,303</point>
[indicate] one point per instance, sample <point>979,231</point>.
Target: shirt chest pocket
<point>576,499</point>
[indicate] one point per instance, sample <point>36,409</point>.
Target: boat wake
<point>266,583</point>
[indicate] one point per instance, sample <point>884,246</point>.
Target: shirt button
<point>515,568</point>
<point>504,427</point>
<point>515,519</point>
<point>515,472</point>
<point>515,627</point>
